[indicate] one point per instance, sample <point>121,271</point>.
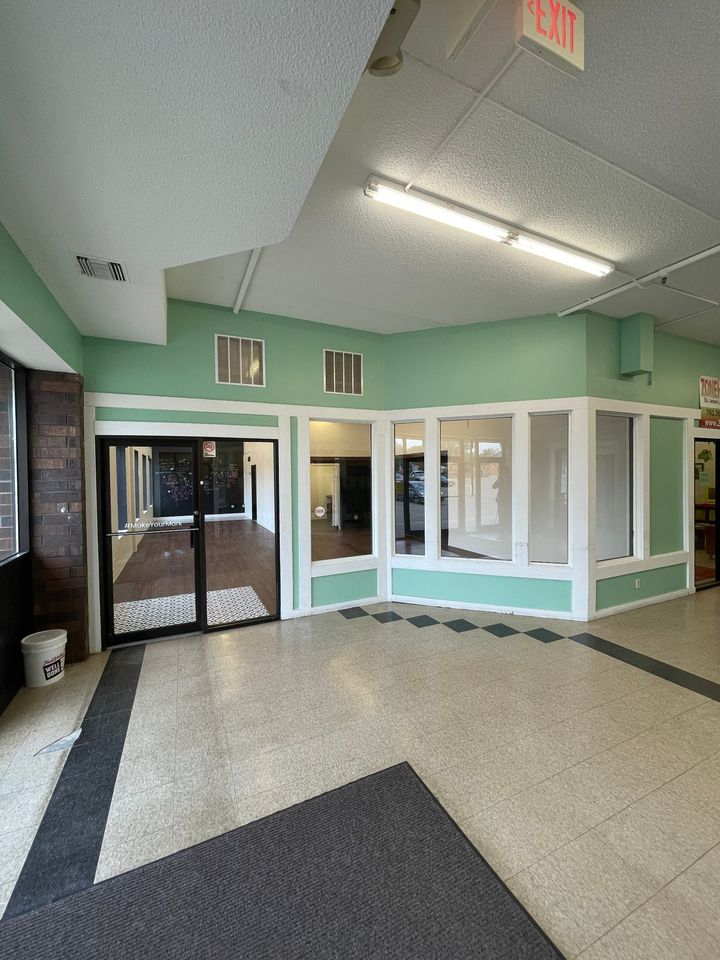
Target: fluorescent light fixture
<point>462,218</point>
<point>561,254</point>
<point>432,208</point>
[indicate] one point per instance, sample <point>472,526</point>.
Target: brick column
<point>57,506</point>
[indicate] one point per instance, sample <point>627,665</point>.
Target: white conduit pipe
<point>468,113</point>
<point>648,278</point>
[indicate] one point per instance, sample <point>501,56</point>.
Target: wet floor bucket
<point>44,655</point>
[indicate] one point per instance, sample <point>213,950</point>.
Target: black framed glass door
<point>707,561</point>
<point>182,548</point>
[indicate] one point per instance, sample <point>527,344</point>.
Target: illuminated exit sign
<point>554,31</point>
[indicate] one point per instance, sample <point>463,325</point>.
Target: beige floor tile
<point>643,845</point>
<point>658,930</point>
<point>6,890</point>
<point>580,892</point>
<point>520,831</point>
<point>680,809</point>
<point>139,814</point>
<point>583,791</point>
<point>127,855</point>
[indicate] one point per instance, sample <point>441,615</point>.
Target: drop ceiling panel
<point>648,100</point>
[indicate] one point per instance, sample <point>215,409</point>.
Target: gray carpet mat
<point>374,869</point>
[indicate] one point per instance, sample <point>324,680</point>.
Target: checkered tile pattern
<point>499,630</point>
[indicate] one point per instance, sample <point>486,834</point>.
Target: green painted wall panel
<point>678,362</point>
<point>483,589</point>
<point>527,359</point>
<point>294,484</point>
<point>667,499</point>
<point>616,591</point>
<point>343,587</point>
<point>184,416</point>
<point>186,366</point>
<point>23,291</point>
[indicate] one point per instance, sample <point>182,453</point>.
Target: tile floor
<point>591,786</point>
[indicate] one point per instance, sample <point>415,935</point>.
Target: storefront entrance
<point>707,568</point>
<point>188,535</point>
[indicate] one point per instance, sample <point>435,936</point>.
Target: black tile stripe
<point>64,854</point>
<point>707,688</point>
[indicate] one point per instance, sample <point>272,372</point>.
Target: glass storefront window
<point>340,489</point>
<point>614,527</point>
<point>409,488</point>
<point>549,488</point>
<point>476,488</point>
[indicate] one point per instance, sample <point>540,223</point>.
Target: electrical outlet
<point>637,583</point>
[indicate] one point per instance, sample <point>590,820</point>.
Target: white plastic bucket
<point>44,655</point>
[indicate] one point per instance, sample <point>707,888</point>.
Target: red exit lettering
<point>554,21</point>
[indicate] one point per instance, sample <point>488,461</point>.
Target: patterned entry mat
<point>224,606</point>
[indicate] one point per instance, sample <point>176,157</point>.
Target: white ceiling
<point>621,162</point>
<point>158,132</point>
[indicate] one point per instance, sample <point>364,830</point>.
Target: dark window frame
<point>22,473</point>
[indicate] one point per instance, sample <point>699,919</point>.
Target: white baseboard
<point>648,601</point>
<point>485,607</point>
<point>329,608</point>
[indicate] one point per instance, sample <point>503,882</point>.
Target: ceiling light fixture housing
<point>386,58</point>
<point>471,221</point>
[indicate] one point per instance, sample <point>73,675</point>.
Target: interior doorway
<point>707,567</point>
<point>188,535</point>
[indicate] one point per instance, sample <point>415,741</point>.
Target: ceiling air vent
<point>101,269</point>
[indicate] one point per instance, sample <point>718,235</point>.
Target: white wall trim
<point>607,569</point>
<point>330,568</point>
<point>143,428</point>
<point>285,518</point>
<point>141,402</point>
<point>484,568</point>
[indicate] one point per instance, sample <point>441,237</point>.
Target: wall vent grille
<point>101,269</point>
<point>239,360</point>
<point>343,372</point>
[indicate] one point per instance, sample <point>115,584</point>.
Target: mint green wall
<point>186,366</point>
<point>344,587</point>
<point>183,416</point>
<point>23,291</point>
<point>668,515</point>
<point>528,359</point>
<point>678,364</point>
<point>616,591</point>
<point>479,588</point>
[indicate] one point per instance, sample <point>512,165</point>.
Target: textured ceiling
<point>157,133</point>
<point>620,162</point>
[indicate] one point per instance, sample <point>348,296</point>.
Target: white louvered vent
<point>239,360</point>
<point>343,372</point>
<point>101,269</point>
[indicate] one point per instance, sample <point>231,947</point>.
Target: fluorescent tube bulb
<point>462,218</point>
<point>561,254</point>
<point>432,208</point>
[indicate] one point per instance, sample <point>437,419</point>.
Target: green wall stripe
<point>616,591</point>
<point>481,588</point>
<point>667,496</point>
<point>294,483</point>
<point>183,416</point>
<point>343,587</point>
